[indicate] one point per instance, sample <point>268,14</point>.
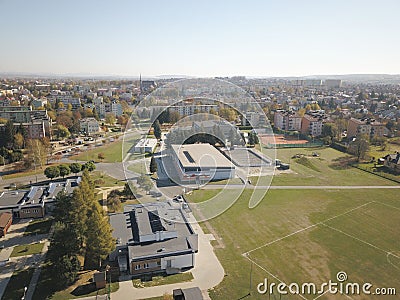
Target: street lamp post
<point>109,281</point>
<point>25,289</point>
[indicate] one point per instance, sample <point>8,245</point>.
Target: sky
<point>200,38</point>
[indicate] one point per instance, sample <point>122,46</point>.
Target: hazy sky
<point>200,38</point>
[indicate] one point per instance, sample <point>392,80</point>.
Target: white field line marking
<point>362,241</point>
<point>265,270</point>
<point>306,228</point>
<point>274,276</point>
<point>246,254</point>
<point>388,260</point>
<point>388,205</point>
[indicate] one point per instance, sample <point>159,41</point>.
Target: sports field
<point>306,236</point>
<point>330,167</point>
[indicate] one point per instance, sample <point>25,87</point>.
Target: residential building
<point>392,161</point>
<point>65,98</point>
<point>153,238</point>
<point>36,103</point>
<point>5,223</point>
<point>253,119</point>
<point>89,126</point>
<point>188,109</point>
<point>287,120</point>
<point>365,126</point>
<point>333,83</point>
<point>312,122</point>
<point>37,122</point>
<point>103,108</point>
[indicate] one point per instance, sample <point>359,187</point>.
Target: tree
<point>62,132</point>
<point>145,183</point>
<point>67,268</point>
<point>99,241</point>
<point>36,153</point>
<point>157,129</point>
<point>129,190</point>
<point>359,147</point>
<point>64,170</point>
<point>173,117</point>
<point>329,130</point>
<point>101,156</point>
<point>110,118</point>
<point>113,202</point>
<point>75,168</point>
<point>52,172</point>
<point>153,165</point>
<point>7,138</point>
<point>90,166</point>
<point>19,141</point>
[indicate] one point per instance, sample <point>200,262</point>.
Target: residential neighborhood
<point>199,150</point>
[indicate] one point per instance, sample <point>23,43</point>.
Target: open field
<point>27,249</point>
<point>309,235</point>
<point>113,152</point>
<point>329,168</point>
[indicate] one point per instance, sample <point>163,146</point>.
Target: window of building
<point>137,267</point>
<point>146,265</point>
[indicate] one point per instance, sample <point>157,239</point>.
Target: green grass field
<point>38,227</point>
<point>330,168</point>
<point>162,280</point>
<point>18,281</point>
<point>113,152</point>
<point>356,242</point>
<point>27,249</point>
<point>103,180</point>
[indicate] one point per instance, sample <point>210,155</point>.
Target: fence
<point>374,171</point>
<point>303,145</point>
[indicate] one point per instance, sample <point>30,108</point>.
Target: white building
<point>253,119</point>
<point>201,162</point>
<point>145,146</point>
<point>89,126</point>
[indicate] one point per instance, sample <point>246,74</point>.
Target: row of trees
<point>66,169</point>
<point>81,229</point>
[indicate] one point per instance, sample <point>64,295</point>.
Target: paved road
<point>301,187</point>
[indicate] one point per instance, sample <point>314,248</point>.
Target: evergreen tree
<point>99,239</point>
<point>153,165</point>
<point>157,129</point>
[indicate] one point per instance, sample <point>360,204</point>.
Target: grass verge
<point>163,280</point>
<point>28,249</point>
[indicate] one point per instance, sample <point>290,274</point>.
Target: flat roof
<point>5,217</point>
<point>179,244</point>
<point>201,155</point>
<point>11,198</point>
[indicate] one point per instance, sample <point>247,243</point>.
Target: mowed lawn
<point>356,241</point>
<point>113,152</point>
<point>326,169</point>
